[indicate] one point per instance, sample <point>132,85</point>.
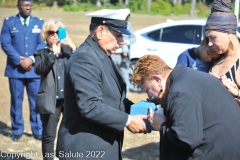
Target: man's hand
<point>155,119</point>
<point>137,125</point>
<point>26,63</point>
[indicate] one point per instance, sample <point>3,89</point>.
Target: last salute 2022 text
<point>86,154</point>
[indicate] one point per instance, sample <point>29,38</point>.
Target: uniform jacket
<point>17,42</point>
<point>94,115</point>
<point>46,68</point>
<point>202,119</point>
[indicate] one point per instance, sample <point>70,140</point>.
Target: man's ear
<point>99,31</point>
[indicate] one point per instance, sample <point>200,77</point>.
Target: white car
<point>167,40</point>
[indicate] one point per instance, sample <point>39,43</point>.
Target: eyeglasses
<point>51,32</point>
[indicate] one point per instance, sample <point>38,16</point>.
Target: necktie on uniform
<point>25,24</point>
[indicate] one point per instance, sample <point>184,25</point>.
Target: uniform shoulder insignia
<point>37,18</point>
<point>9,17</point>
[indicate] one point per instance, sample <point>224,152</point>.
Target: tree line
<point>161,7</point>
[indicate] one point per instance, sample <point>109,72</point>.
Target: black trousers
<point>49,123</point>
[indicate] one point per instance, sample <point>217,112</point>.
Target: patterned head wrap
<point>221,18</point>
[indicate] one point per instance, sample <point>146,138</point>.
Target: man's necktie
<point>25,24</point>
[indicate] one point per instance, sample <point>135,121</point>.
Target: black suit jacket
<point>46,68</point>
<point>94,116</point>
<point>202,119</point>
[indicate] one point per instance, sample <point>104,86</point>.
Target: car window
<point>154,35</point>
<point>182,34</point>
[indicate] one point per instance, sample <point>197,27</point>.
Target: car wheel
<point>132,86</point>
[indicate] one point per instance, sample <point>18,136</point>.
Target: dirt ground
<point>135,147</point>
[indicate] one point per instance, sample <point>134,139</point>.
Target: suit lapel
<point>118,72</point>
<point>106,62</point>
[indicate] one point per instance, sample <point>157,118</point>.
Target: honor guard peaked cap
<point>115,19</point>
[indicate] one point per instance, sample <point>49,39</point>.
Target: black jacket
<point>95,116</point>
<point>46,68</point>
<point>202,119</point>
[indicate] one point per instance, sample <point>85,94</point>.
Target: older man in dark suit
<point>20,37</point>
<point>95,106</point>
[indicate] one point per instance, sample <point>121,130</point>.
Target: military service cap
<point>115,19</point>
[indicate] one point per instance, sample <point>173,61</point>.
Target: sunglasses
<point>51,33</point>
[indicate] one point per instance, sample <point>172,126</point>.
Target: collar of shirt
<point>22,19</point>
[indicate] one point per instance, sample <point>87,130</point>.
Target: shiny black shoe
<point>16,137</point>
<point>38,137</point>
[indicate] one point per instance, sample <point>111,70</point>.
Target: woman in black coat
<point>49,64</point>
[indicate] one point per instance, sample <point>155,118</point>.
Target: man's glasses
<point>51,32</point>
